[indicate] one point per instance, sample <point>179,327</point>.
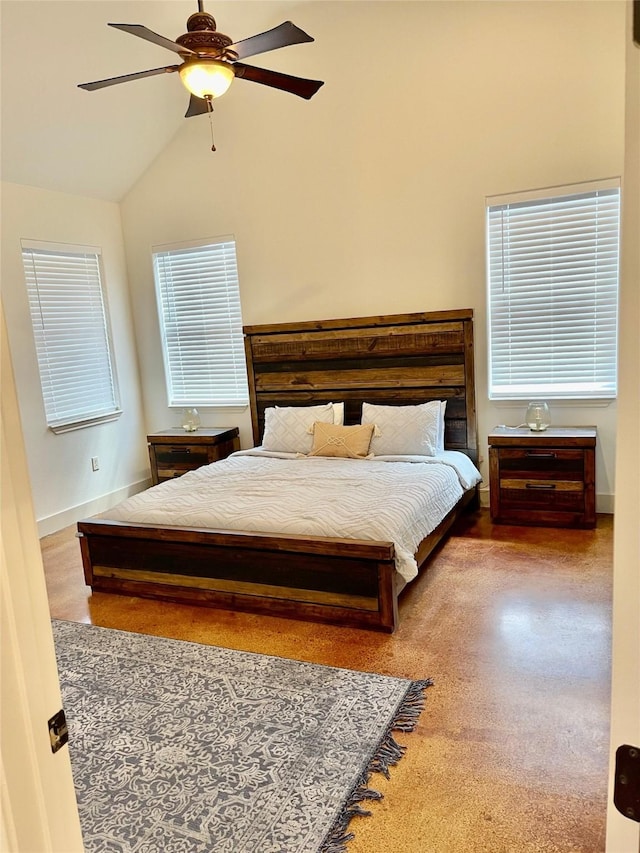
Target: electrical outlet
<point>95,463</point>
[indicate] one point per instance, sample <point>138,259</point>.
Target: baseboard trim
<point>605,504</point>
<point>60,520</point>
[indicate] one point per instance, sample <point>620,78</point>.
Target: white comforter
<point>389,501</point>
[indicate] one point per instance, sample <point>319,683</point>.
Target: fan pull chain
<point>210,111</point>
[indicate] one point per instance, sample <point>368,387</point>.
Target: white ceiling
<point>59,137</point>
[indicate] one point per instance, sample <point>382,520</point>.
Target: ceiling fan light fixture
<point>206,78</point>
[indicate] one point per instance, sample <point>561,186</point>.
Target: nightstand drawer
<point>186,456</point>
<point>541,494</point>
<point>556,463</point>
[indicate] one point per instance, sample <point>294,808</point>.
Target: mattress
<point>389,499</point>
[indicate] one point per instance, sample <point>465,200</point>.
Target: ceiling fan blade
<point>197,107</point>
<point>112,81</point>
<point>147,34</point>
<point>296,85</point>
<point>280,36</point>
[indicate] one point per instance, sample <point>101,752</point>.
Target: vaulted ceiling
<point>59,137</point>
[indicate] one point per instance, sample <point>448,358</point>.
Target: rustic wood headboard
<point>400,359</point>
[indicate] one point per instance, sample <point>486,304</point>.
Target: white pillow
<point>403,430</point>
<point>289,429</point>
<point>338,411</point>
<point>440,444</point>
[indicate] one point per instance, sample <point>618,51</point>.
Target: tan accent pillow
<point>348,442</point>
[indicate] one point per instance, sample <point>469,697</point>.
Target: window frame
<point>56,369</point>
<point>519,263</point>
<point>225,273</point>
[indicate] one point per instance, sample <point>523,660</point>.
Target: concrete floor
<point>514,626</point>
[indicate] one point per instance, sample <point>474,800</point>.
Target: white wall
<point>370,198</point>
<point>64,486</point>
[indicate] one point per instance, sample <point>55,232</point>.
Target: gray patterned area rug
<point>186,748</point>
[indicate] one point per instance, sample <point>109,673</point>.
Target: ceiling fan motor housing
<point>203,38</point>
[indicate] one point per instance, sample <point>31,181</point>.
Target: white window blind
<point>553,265</point>
<point>201,323</point>
<point>71,331</point>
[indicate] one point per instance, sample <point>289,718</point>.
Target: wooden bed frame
<point>401,359</point>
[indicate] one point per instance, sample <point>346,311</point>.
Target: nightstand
<point>173,452</point>
<point>543,478</point>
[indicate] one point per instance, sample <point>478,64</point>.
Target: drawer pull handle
<point>541,486</point>
<point>533,455</point>
<point>180,450</point>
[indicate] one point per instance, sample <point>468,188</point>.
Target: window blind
<point>553,266</point>
<point>71,332</point>
<point>201,323</point>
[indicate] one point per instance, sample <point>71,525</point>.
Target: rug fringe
<point>387,754</point>
<point>412,706</point>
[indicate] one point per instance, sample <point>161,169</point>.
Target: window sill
<point>560,404</point>
<point>201,407</point>
<point>69,427</point>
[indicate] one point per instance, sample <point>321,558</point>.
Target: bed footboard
<point>346,582</point>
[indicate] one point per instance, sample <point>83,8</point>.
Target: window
<point>553,293</point>
<point>72,336</point>
<point>201,323</point>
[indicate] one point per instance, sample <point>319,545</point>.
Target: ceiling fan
<point>210,60</point>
